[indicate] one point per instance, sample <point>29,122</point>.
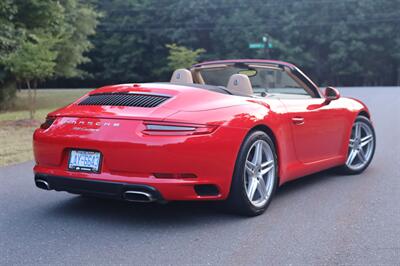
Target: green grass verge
<point>46,101</point>
<point>16,132</point>
<point>16,144</point>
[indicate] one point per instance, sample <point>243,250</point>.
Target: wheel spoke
<point>366,140</point>
<point>252,188</point>
<point>361,156</point>
<point>269,184</point>
<point>250,168</point>
<point>351,143</point>
<point>266,167</point>
<point>357,132</point>
<point>257,158</point>
<point>262,189</point>
<point>352,156</point>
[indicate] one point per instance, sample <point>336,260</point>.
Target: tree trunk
<point>34,96</point>
<point>30,100</point>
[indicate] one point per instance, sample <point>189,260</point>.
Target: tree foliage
<point>33,60</point>
<point>9,37</point>
<point>40,39</point>
<point>80,21</point>
<point>182,57</point>
<point>337,42</point>
<point>344,42</point>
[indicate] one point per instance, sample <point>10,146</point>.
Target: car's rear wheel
<point>361,147</point>
<point>255,177</point>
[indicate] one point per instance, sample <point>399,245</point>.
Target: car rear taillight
<point>177,129</point>
<point>49,121</point>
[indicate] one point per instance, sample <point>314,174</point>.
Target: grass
<point>15,128</point>
<point>46,101</point>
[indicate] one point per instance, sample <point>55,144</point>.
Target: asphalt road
<point>324,219</point>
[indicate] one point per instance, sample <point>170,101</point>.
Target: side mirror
<point>331,94</point>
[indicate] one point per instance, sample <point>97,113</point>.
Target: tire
<point>358,163</point>
<point>249,169</point>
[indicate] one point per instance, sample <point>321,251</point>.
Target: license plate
<point>85,161</point>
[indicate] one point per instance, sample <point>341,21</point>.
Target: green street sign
<point>257,45</point>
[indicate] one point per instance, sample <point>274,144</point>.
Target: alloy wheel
<point>259,173</point>
<point>361,146</point>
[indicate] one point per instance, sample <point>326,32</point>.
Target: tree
<point>80,21</point>
<point>344,42</point>
<point>9,38</point>
<point>182,57</point>
<point>40,39</point>
<point>33,27</point>
<point>31,62</point>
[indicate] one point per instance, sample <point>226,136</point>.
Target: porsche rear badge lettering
<point>91,123</point>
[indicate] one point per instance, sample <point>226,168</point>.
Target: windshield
<point>264,80</point>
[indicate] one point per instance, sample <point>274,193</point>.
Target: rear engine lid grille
<point>125,99</point>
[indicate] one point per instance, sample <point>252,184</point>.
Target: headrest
<point>182,76</point>
<point>240,84</point>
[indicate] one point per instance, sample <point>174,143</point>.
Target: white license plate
<point>86,161</point>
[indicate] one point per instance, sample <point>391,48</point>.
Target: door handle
<point>298,120</point>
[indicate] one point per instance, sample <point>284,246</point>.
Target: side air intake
<point>125,99</point>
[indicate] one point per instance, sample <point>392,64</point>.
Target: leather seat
<point>183,76</point>
<point>240,84</point>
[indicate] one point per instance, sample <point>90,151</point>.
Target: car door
<point>318,129</point>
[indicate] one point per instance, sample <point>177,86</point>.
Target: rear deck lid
<point>152,101</point>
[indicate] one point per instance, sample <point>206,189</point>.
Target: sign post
<point>258,45</point>
<point>265,44</point>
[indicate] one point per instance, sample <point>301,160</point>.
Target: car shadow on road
<point>307,182</point>
<point>143,215</point>
<point>176,213</point>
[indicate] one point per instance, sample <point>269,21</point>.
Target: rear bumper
<point>159,190</point>
<point>115,190</point>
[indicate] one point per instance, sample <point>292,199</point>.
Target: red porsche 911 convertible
<point>230,130</point>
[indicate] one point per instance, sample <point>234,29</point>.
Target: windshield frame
<point>291,70</point>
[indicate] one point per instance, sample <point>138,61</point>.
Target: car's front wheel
<point>255,176</point>
<point>361,147</point>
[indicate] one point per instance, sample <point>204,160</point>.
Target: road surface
<point>324,219</point>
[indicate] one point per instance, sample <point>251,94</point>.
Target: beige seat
<point>182,76</point>
<point>240,84</point>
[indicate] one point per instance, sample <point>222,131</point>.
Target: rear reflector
<point>174,176</point>
<point>206,190</point>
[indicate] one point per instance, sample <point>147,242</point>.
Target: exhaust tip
<point>42,184</point>
<point>138,196</point>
